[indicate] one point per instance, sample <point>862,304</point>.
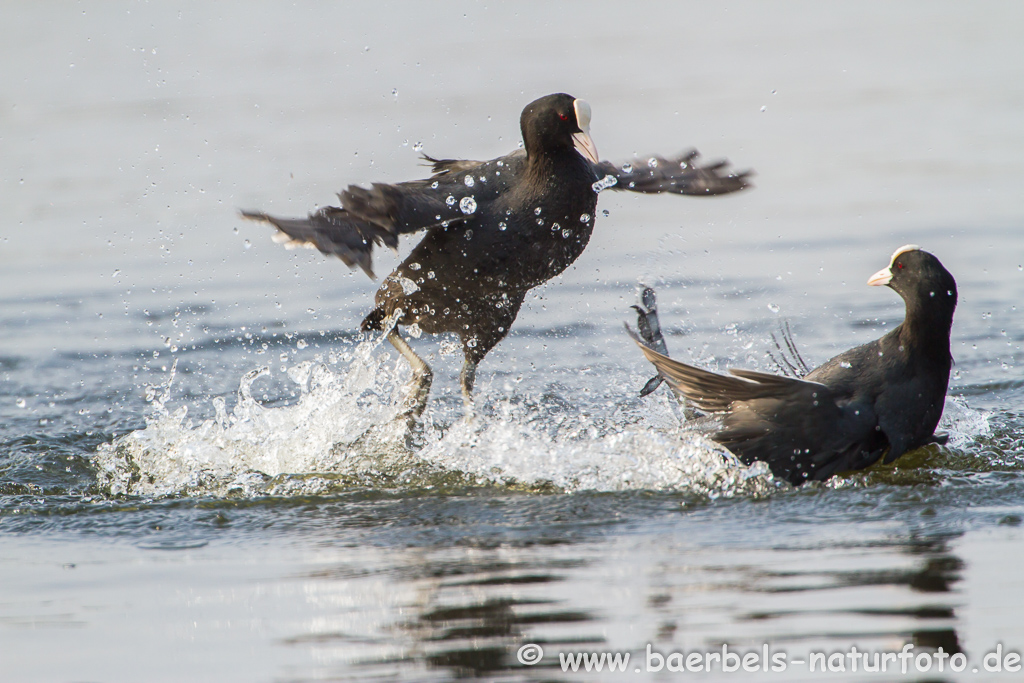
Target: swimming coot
<point>874,402</point>
<point>494,229</point>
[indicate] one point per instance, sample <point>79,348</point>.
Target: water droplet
<point>471,343</point>
<point>502,226</point>
<point>469,180</point>
<point>450,201</point>
<point>394,91</point>
<point>414,331</point>
<point>301,344</point>
<point>627,168</point>
<point>418,146</point>
<point>605,183</point>
<point>414,266</point>
<point>430,275</point>
<point>469,234</point>
<point>652,163</point>
<point>408,286</point>
<point>566,233</point>
<point>584,218</point>
<point>433,185</point>
<point>536,212</point>
<point>247,244</point>
<point>844,364</point>
<point>21,403</point>
<point>764,108</point>
<point>604,212</point>
<point>774,308</point>
<point>467,205</point>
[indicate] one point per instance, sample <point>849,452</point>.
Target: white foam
<point>513,454</point>
<point>254,444</point>
<point>963,423</point>
<point>346,429</point>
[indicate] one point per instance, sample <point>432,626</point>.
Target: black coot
<point>495,229</point>
<point>874,402</point>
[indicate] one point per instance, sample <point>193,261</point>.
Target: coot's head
<point>557,122</point>
<point>919,278</point>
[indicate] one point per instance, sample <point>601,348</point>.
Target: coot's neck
<point>565,163</point>
<point>927,326</point>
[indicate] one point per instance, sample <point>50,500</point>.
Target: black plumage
<point>873,402</point>
<point>494,229</point>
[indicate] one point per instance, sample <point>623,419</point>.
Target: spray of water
<point>346,430</point>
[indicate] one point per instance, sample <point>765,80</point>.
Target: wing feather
<point>681,174</point>
<point>334,232</point>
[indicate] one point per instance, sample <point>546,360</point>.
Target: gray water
<point>200,478</point>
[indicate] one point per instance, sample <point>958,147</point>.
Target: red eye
<point>564,117</point>
<point>900,266</point>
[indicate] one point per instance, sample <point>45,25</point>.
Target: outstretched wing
<point>679,175</point>
<point>334,232</point>
<point>382,212</point>
<point>453,193</point>
<point>716,393</point>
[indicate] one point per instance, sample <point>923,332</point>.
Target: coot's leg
<point>649,327</point>
<point>495,314</point>
<point>422,376</point>
<point>466,379</point>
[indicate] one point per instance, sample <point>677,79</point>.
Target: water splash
<point>338,419</point>
<point>347,430</point>
<point>963,423</point>
<point>504,451</point>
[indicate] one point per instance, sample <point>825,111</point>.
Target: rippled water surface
<point>201,472</point>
